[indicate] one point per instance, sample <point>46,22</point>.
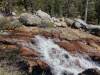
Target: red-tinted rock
<point>89,47</point>
<point>24,51</point>
<point>46,34</point>
<point>67,45</point>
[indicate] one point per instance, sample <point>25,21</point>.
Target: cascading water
<point>61,62</point>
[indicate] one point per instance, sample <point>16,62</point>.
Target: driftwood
<point>89,26</point>
<point>93,27</point>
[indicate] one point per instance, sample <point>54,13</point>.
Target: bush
<point>4,23</point>
<point>15,24</point>
<point>47,24</point>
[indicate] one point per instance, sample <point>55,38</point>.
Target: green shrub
<point>4,23</point>
<point>47,24</point>
<point>15,24</point>
<point>6,72</point>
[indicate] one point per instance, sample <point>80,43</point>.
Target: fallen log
<point>94,29</point>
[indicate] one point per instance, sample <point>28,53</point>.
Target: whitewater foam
<point>61,61</point>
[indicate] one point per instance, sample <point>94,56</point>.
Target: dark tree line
<point>58,8</point>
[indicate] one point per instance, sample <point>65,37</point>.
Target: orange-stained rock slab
<point>27,52</point>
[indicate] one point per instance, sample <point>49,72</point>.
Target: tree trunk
<point>86,10</point>
<point>25,5</point>
<point>28,5</point>
<point>8,7</point>
<point>98,19</point>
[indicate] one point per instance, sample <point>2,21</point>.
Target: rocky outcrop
<point>79,23</point>
<point>43,15</point>
<point>46,20</point>
<point>22,40</point>
<point>85,46</point>
<point>66,33</point>
<point>39,18</point>
<point>19,42</point>
<point>29,19</point>
<point>24,51</point>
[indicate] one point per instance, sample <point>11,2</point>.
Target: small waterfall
<point>61,61</point>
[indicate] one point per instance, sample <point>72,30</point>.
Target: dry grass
<point>70,34</point>
<point>8,61</point>
<point>6,72</point>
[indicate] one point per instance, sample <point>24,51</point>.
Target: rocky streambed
<point>29,51</point>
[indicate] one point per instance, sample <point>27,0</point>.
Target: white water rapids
<point>60,61</point>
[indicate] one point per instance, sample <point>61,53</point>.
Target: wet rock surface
<point>60,49</point>
<point>22,42</point>
<point>91,71</point>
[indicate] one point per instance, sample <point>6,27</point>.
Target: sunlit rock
<point>29,19</point>
<point>43,15</point>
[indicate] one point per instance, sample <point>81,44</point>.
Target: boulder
<point>41,19</point>
<point>43,15</point>
<point>29,19</point>
<point>45,19</point>
<point>79,23</point>
<point>92,71</point>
